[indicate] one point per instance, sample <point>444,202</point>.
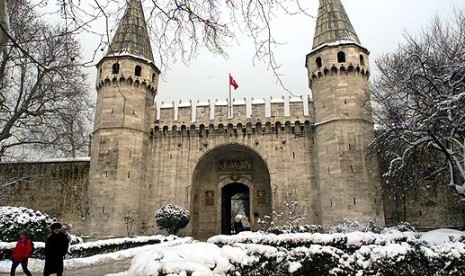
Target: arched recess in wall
<point>228,165</point>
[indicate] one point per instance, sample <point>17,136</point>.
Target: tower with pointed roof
<point>338,70</point>
<point>127,81</point>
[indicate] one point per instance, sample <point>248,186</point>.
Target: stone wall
<point>58,188</point>
<point>184,164</point>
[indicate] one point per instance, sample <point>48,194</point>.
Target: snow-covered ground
<point>36,265</point>
<point>206,258</point>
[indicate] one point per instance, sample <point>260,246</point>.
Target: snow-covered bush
<point>402,227</point>
<point>355,253</point>
<point>73,239</point>
<point>345,226</point>
<point>14,219</point>
<point>351,225</point>
<point>391,252</point>
<point>88,249</point>
<point>172,218</point>
<point>286,219</point>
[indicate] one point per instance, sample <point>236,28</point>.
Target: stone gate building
<point>216,165</point>
<point>318,159</point>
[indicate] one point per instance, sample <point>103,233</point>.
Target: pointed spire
<point>132,37</point>
<point>333,24</point>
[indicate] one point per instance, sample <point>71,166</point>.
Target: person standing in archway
<point>237,225</point>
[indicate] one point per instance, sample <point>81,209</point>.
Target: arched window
<point>115,68</point>
<point>341,57</point>
<point>362,60</point>
<point>138,70</point>
<point>318,62</point>
<point>153,77</point>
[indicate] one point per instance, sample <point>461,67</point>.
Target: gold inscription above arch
<point>226,165</point>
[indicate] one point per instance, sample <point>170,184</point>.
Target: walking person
<point>56,248</point>
<point>21,253</point>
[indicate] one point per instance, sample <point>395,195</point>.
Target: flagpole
<point>229,104</point>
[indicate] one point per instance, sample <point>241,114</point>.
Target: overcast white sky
<point>380,25</point>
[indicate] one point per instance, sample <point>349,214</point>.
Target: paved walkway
<point>92,270</point>
<point>101,269</point>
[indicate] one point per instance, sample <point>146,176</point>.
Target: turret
<point>338,71</point>
<point>127,81</point>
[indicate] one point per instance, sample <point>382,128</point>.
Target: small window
<point>319,64</point>
<point>115,69</point>
<point>138,70</point>
<point>362,60</point>
<point>153,77</point>
<point>341,57</point>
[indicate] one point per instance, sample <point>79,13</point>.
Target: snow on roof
<point>239,102</point>
<point>221,103</point>
<point>258,101</point>
<point>296,100</point>
<point>127,54</point>
<point>166,105</point>
<point>184,104</point>
<point>337,43</point>
<point>276,100</point>
<point>206,103</point>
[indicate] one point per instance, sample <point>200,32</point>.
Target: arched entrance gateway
<point>235,205</point>
<point>229,181</point>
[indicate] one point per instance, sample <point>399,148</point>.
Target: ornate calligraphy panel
<point>236,165</point>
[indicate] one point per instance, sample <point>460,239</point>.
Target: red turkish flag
<point>232,82</point>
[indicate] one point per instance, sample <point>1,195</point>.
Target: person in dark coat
<point>21,253</point>
<point>237,225</point>
<point>56,248</point>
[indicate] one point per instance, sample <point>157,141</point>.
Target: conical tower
<point>338,70</point>
<point>127,81</point>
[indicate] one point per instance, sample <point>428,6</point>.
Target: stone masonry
<point>312,151</point>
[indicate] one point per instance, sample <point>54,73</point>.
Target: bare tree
<point>129,218</point>
<point>44,99</point>
<point>10,183</point>
<point>419,100</point>
<point>4,26</point>
<point>178,29</point>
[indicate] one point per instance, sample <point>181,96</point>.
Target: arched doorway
<point>224,176</point>
<point>235,203</point>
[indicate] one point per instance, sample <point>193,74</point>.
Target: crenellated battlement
<point>341,68</point>
<point>129,81</point>
<point>247,116</point>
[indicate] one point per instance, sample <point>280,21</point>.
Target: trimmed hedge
<point>88,249</point>
<point>357,253</point>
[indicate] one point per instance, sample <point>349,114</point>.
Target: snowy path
<point>101,269</point>
<point>114,267</point>
<point>99,265</point>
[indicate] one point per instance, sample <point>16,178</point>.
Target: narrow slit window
<point>138,71</point>
<point>115,68</point>
<point>319,64</point>
<point>341,57</point>
<point>362,60</point>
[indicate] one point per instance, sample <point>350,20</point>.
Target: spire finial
<point>333,24</point>
<point>132,37</point>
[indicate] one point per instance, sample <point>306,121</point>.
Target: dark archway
<point>225,171</point>
<point>235,201</point>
